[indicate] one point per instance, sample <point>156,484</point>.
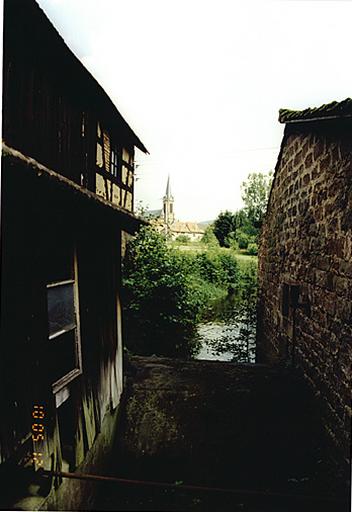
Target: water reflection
<point>229,328</point>
<point>223,342</point>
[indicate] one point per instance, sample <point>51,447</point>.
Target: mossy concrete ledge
<point>222,424</point>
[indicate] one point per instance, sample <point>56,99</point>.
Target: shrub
<point>209,237</point>
<point>208,267</point>
<point>242,239</point>
<point>252,249</point>
<point>230,269</point>
<point>230,241</point>
<point>183,239</point>
<point>160,306</point>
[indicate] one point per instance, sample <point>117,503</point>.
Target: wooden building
<point>305,261</point>
<point>67,195</point>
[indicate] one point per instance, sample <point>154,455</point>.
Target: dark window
<point>63,327</point>
<point>61,308</point>
<point>114,162</point>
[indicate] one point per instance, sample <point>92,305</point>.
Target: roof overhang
<point>41,177</point>
<point>330,111</point>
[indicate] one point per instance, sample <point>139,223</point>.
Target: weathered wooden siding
<point>34,243</point>
<point>52,112</point>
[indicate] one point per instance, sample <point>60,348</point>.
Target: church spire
<point>168,189</point>
<point>168,200</point>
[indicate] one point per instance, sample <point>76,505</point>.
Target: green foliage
<point>216,267</point>
<point>255,195</point>
<point>229,266</point>
<point>242,239</point>
<point>209,237</point>
<point>232,242</point>
<point>247,310</point>
<point>223,226</point>
<point>241,228</point>
<point>252,249</point>
<point>208,267</point>
<point>167,291</point>
<point>183,239</point>
<point>161,307</point>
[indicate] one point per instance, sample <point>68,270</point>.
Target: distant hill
<point>205,223</point>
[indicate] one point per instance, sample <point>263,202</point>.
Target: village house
<point>67,197</point>
<point>305,261</point>
<point>165,222</point>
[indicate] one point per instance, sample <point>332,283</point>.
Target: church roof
<point>154,213</point>
<point>185,227</point>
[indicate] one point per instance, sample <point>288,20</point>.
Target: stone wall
<point>305,267</point>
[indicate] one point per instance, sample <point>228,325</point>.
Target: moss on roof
<point>332,110</point>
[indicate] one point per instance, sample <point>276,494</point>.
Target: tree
<point>209,237</point>
<point>160,307</point>
<point>223,226</point>
<point>255,195</point>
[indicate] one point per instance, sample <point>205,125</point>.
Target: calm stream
<point>228,334</point>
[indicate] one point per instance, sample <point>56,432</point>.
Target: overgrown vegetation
<point>169,287</point>
<point>161,306</point>
<point>167,292</point>
<point>240,229</point>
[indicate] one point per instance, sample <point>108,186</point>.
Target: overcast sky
<point>201,83</point>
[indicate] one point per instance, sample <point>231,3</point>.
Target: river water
<point>223,342</point>
<point>229,332</point>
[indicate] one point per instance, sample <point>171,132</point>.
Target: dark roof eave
<point>129,222</point>
<point>330,111</point>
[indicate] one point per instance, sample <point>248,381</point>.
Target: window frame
<point>63,381</point>
<point>115,161</point>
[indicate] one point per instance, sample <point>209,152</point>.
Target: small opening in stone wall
<point>294,295</point>
<point>290,298</point>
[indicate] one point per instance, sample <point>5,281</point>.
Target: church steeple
<point>168,189</point>
<point>168,201</point>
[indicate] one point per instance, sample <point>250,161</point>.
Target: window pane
<point>61,311</point>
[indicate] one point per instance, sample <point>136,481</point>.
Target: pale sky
<point>201,83</point>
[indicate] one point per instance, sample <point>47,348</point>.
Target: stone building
<point>67,196</point>
<point>165,221</point>
<point>305,260</point>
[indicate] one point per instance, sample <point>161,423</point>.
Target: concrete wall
<point>307,242</point>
